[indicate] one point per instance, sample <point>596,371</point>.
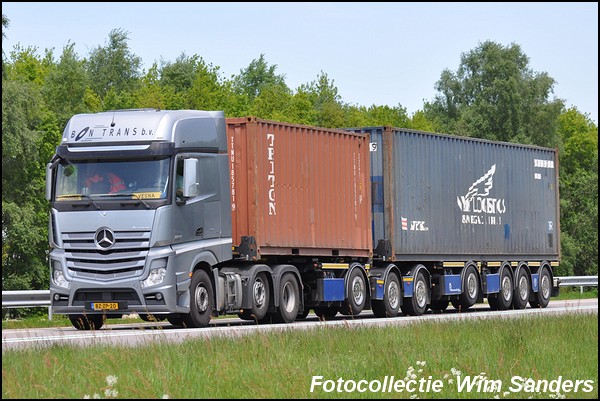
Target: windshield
<point>143,179</point>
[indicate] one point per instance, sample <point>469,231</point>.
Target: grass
<point>534,356</point>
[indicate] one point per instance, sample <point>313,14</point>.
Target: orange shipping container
<point>299,190</point>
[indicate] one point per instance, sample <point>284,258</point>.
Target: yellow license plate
<point>105,305</point>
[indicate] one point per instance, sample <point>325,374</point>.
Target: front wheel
<point>87,322</point>
<point>201,300</point>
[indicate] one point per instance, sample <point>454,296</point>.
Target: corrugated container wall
<point>442,197</point>
<point>298,189</point>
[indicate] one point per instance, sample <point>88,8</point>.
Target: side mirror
<point>191,187</point>
<point>48,181</point>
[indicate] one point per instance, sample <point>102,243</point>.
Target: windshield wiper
<point>132,195</point>
<point>82,196</point>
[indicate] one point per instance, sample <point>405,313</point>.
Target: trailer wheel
<point>390,304</point>
<point>503,299</point>
<point>357,293</point>
<point>87,322</point>
<point>417,304</point>
<point>542,298</point>
<point>326,312</point>
<point>201,300</point>
<point>289,299</point>
<point>439,305</point>
<point>304,314</point>
<point>471,288</point>
<point>522,289</point>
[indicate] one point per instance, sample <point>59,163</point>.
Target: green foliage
<point>114,68</point>
<point>234,365</point>
<point>493,94</point>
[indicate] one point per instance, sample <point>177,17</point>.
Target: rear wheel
<point>260,299</point>
<point>503,299</point>
<point>201,300</point>
<point>289,299</point>
<point>417,304</point>
<point>471,288</point>
<point>304,314</point>
<point>326,312</point>
<point>439,305</point>
<point>87,322</point>
<point>521,294</point>
<point>390,304</point>
<point>357,293</point>
<point>542,298</point>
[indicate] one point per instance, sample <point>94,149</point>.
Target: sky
<point>376,53</point>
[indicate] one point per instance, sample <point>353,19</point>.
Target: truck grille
<point>125,259</point>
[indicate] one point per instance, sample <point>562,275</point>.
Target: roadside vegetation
<point>506,356</point>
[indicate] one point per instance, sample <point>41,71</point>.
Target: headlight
<point>58,277</point>
<point>155,277</point>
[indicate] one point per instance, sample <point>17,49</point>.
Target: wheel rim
<point>472,285</point>
<point>523,288</point>
<point>289,297</point>
<point>545,286</point>
<point>201,298</point>
<point>394,295</point>
<point>259,293</point>
<point>420,294</point>
<point>358,290</point>
<point>506,288</point>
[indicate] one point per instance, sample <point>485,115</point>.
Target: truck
<point>204,216</point>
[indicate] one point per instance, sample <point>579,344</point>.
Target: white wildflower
<point>111,380</point>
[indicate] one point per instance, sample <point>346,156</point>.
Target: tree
<point>579,193</point>
<point>494,95</point>
<point>113,66</point>
<point>66,85</point>
<point>258,75</point>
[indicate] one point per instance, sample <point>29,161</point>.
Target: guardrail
<point>35,298</point>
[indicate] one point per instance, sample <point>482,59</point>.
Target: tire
<point>175,320</point>
<point>326,312</point>
<point>471,288</point>
<point>522,290</point>
<point>151,318</point>
<point>439,305</point>
<point>357,293</point>
<point>503,299</point>
<point>542,298</point>
<point>260,299</point>
<point>289,299</point>
<point>304,314</point>
<point>389,306</point>
<point>417,304</point>
<point>201,301</point>
<point>87,322</point>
